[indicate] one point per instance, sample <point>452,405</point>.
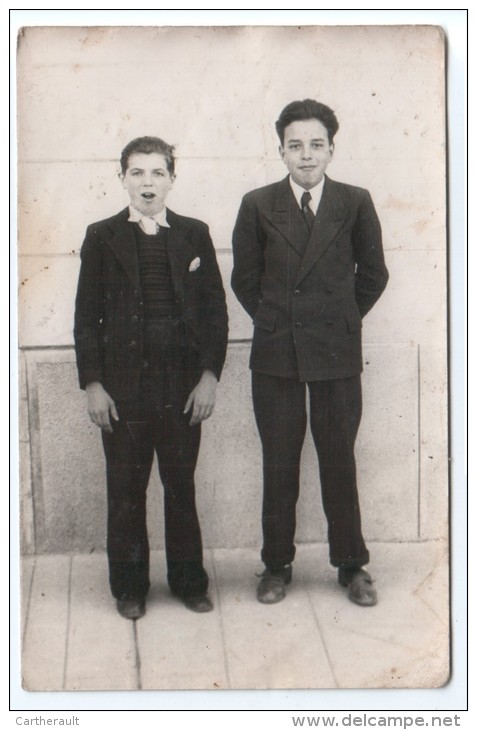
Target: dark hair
<point>147,146</point>
<point>307,109</point>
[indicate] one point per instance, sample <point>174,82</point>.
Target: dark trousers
<point>154,422</point>
<point>335,413</point>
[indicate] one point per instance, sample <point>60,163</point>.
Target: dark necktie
<point>308,214</point>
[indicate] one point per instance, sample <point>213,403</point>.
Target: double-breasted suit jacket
<point>307,293</point>
<point>109,313</point>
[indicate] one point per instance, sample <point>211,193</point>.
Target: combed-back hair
<point>147,146</point>
<point>298,111</point>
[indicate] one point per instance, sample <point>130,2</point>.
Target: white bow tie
<point>149,225</point>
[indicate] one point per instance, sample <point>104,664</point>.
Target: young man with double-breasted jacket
<point>308,266</point>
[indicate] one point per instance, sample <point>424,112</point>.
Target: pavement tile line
<point>221,621</point>
<point>137,663</point>
<point>73,639</point>
<point>68,624</point>
<point>323,641</point>
<point>25,600</point>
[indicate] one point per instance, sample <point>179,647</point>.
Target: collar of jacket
<point>180,251</point>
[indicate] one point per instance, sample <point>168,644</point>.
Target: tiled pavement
<point>73,638</point>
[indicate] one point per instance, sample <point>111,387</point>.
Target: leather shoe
<point>360,586</point>
<point>272,585</point>
<point>200,603</point>
<point>131,608</point>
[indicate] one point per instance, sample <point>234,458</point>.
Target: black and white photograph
<point>233,357</point>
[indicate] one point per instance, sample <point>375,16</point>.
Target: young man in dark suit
<point>308,266</point>
<point>150,335</point>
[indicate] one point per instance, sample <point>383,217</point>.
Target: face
<point>147,181</point>
<point>306,151</point>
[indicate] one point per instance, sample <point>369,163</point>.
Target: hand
<point>100,406</point>
<point>202,398</point>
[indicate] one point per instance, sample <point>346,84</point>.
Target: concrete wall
<point>215,93</point>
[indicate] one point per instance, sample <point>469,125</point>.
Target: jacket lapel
<point>287,218</point>
<point>330,218</point>
<point>123,244</point>
<point>179,249</point>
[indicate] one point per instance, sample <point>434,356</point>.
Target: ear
<point>332,149</point>
<point>281,151</point>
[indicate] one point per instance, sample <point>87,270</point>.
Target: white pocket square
<point>194,264</point>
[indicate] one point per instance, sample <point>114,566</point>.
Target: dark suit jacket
<point>109,309</point>
<point>306,293</point>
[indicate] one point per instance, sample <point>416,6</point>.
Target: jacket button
<point>328,291</point>
<point>133,344</point>
<point>299,325</point>
<point>334,356</point>
<point>134,318</point>
<point>297,292</point>
<point>145,364</point>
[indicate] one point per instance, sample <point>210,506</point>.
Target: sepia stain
<point>94,37</point>
<point>20,38</point>
<point>398,203</point>
<point>420,226</point>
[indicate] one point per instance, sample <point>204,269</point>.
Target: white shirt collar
<point>135,217</point>
<point>315,193</point>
